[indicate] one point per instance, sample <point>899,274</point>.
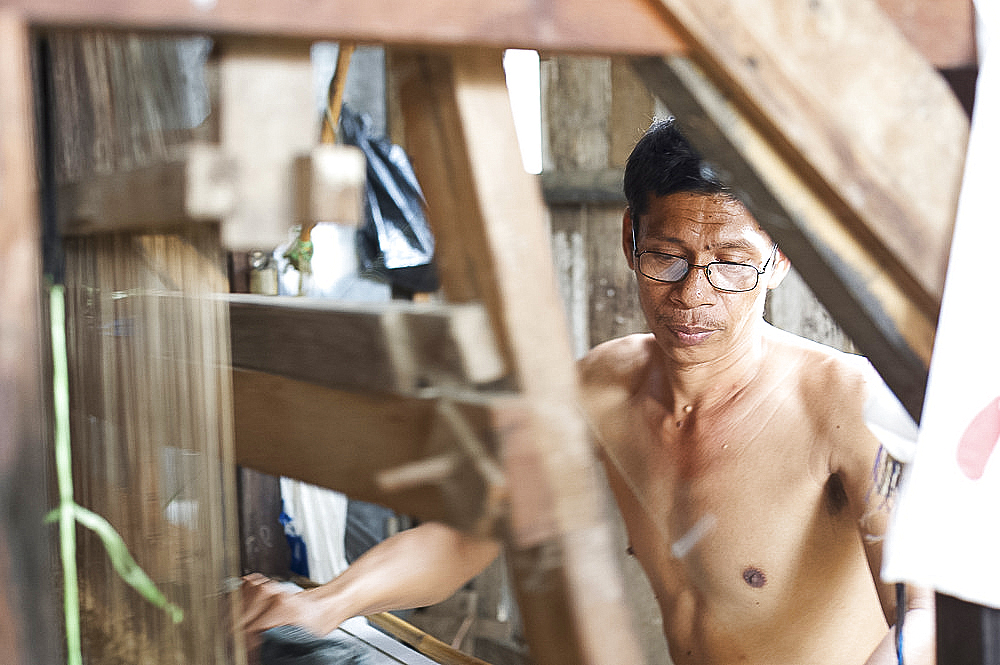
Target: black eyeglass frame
<point>708,274</point>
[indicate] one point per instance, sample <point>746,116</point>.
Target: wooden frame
<point>448,139</point>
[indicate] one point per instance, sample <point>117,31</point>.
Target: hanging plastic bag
<point>395,239</point>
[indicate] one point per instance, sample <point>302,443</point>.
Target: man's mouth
<point>691,335</point>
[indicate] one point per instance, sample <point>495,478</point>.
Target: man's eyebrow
<point>722,244</point>
<point>733,244</point>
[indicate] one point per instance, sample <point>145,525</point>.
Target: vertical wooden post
<point>461,136</point>
<point>27,616</point>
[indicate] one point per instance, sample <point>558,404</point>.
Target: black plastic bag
<point>395,241</point>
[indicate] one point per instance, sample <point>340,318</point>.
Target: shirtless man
<point>738,455</point>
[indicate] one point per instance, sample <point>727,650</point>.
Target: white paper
<point>945,532</point>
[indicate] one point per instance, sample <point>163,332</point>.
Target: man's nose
<point>693,290</point>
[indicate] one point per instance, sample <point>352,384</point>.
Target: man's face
<point>691,318</point>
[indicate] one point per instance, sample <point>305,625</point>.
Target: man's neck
<point>692,383</point>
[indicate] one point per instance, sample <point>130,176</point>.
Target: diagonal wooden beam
<point>853,109</point>
<point>461,137</point>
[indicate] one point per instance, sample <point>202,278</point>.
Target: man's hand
<point>267,604</point>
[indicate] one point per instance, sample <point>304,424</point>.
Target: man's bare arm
<point>415,568</point>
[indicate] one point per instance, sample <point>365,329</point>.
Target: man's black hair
<point>664,163</point>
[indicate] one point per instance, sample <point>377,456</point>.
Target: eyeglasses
<point>723,275</point>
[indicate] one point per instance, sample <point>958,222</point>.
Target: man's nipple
<point>754,577</point>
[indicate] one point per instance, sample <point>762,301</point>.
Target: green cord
<point>64,475</point>
<point>69,512</point>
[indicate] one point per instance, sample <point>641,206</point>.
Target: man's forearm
<point>415,568</point>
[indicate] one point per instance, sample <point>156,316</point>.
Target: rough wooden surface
<point>388,347</point>
<point>29,632</point>
<point>461,135</point>
<point>401,452</point>
<point>626,26</point>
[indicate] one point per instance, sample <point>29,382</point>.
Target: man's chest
<point>734,515</point>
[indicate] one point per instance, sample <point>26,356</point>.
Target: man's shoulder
<point>617,357</point>
<point>825,375</point>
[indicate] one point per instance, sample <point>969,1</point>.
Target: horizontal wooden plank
<point>348,441</point>
<point>578,187</point>
<point>597,26</point>
<point>942,30</point>
<point>387,347</point>
<point>195,185</point>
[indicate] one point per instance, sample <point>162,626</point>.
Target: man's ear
<point>781,267</point>
<point>628,239</point>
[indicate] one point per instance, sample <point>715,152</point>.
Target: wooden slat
<point>942,30</point>
<point>196,185</point>
<point>348,441</point>
<point>384,347</point>
<point>847,275</point>
<point>28,620</point>
<point>624,26</point>
<point>855,111</point>
<point>267,119</point>
<point>460,133</point>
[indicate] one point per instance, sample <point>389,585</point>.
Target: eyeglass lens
<point>723,276</point>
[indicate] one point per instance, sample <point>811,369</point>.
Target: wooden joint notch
<point>465,467</point>
<point>195,185</point>
<point>329,185</point>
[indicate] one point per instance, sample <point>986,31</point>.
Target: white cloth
<point>945,532</point>
<point>319,516</point>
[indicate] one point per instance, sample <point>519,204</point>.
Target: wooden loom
<point>501,447</point>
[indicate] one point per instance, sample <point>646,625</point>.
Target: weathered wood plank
<point>199,183</point>
<point>626,26</point>
<point>28,623</point>
<point>461,135</point>
<point>886,322</point>
<point>267,118</point>
<point>196,185</point>
<point>942,30</point>
<point>384,347</point>
<point>375,447</point>
<point>855,111</point>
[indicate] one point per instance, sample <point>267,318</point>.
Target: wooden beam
<point>386,347</point>
<point>401,452</point>
<point>461,137</point>
<point>851,106</point>
<point>942,30</point>
<point>624,26</point>
<point>196,185</point>
<point>847,274</point>
<point>28,625</point>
